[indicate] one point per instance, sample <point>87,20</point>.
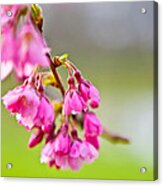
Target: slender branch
<point>53,66</point>
<point>56,75</point>
<point>115,139</point>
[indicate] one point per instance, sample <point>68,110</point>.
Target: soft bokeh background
<point>112,44</point>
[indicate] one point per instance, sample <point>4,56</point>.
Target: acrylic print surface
<point>79,90</point>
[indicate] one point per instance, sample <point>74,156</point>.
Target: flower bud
<point>74,134</point>
<point>35,138</point>
<point>78,76</point>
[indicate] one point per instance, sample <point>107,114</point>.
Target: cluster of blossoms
<point>63,148</point>
<point>22,45</point>
<point>78,98</point>
<point>66,149</point>
<point>57,122</point>
<point>24,50</point>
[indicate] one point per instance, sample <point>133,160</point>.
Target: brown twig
<point>53,66</point>
<point>56,75</point>
<point>115,139</point>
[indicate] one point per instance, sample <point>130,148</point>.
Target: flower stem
<point>53,66</point>
<point>71,64</point>
<point>56,75</point>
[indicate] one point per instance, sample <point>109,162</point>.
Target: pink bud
<point>92,124</point>
<point>73,102</point>
<point>89,93</point>
<point>35,138</point>
<point>94,96</point>
<point>84,89</point>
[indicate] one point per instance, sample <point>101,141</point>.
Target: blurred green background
<point>112,45</point>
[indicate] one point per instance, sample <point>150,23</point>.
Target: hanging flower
<point>92,128</point>
<point>23,47</point>
<point>32,109</point>
<point>73,101</point>
<point>88,91</point>
<point>30,50</point>
<point>81,152</point>
<point>23,101</point>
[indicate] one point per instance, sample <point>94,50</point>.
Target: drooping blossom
<point>31,109</point>
<point>73,101</point>
<point>88,91</point>
<point>7,52</point>
<point>30,51</point>
<point>63,154</point>
<point>92,128</point>
<point>44,118</point>
<point>57,149</point>
<point>62,148</point>
<point>23,101</point>
<point>92,124</point>
<point>8,37</point>
<point>81,152</point>
<point>47,154</point>
<point>23,47</point>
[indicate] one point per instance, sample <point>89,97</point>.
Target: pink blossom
<point>31,109</point>
<point>30,51</point>
<point>93,140</point>
<point>7,45</point>
<point>88,91</point>
<point>8,38</point>
<point>84,89</point>
<point>57,150</point>
<point>23,101</point>
<point>44,118</point>
<point>62,148</point>
<point>22,48</point>
<point>47,154</point>
<point>80,153</point>
<point>62,142</point>
<point>75,160</point>
<point>88,152</point>
<point>35,138</point>
<point>7,53</point>
<point>94,96</point>
<point>92,125</point>
<point>73,102</point>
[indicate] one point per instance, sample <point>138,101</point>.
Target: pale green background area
<point>112,45</point>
